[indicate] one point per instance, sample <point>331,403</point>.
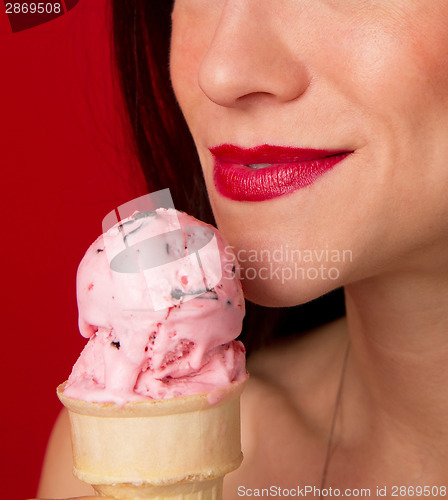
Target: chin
<point>285,290</point>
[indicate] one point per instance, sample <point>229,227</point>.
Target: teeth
<point>256,166</point>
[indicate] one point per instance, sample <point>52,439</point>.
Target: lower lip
<point>242,183</point>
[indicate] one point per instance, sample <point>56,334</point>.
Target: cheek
<point>398,79</point>
<point>182,67</point>
<point>192,30</point>
<point>398,59</point>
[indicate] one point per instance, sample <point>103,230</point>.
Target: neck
<point>398,327</point>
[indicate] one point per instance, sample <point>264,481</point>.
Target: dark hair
<point>165,150</point>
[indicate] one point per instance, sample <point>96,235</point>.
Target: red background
<point>64,166</point>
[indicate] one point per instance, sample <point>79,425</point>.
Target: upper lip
<point>229,153</point>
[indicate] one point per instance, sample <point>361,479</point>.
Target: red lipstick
<point>266,172</point>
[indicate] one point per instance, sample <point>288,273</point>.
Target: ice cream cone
<point>177,448</point>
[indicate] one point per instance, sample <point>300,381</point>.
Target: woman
<point>321,131</point>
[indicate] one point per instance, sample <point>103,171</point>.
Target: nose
<point>250,56</point>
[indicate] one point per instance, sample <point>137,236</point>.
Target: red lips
<point>289,169</point>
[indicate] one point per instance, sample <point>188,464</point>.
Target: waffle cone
<point>176,448</point>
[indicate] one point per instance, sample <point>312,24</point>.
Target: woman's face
<point>341,108</point>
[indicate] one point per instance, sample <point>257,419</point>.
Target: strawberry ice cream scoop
<point>161,304</point>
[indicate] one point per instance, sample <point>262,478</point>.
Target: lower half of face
<point>337,178</point>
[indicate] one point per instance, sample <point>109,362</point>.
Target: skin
<point>369,76</point>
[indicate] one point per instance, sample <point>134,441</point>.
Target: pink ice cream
<point>161,304</point>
